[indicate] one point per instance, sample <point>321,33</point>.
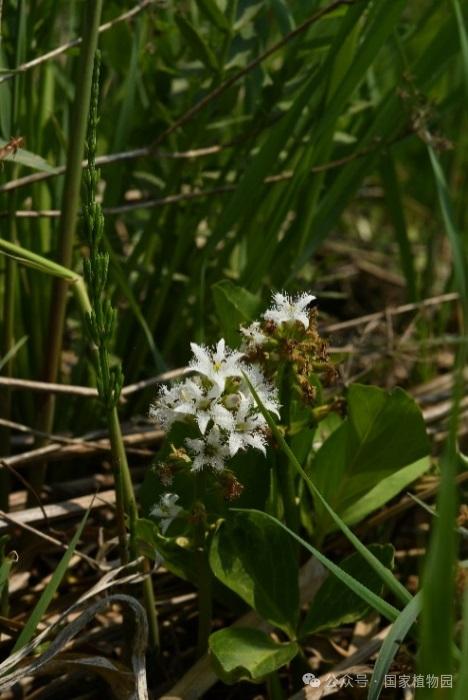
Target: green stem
<point>125,503</point>
<point>203,571</point>
<point>67,226</point>
<point>286,473</point>
<point>8,342</point>
<point>118,455</point>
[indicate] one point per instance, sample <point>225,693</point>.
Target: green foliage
<point>235,306</point>
<point>383,433</point>
<point>252,557</point>
<point>371,598</point>
<point>391,645</point>
<point>30,160</point>
<point>240,653</point>
<point>385,574</point>
<point>255,134</point>
<point>177,552</point>
<point>335,604</point>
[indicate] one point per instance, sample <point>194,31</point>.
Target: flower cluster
<point>287,335</point>
<point>285,311</point>
<point>217,400</point>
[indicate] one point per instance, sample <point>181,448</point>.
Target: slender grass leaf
<point>50,590</point>
<point>391,644</point>
<point>12,351</point>
<point>455,239</point>
<point>39,262</point>
<point>335,604</point>
<point>194,40</point>
<point>30,160</point>
<point>212,12</point>
<point>119,275</point>
<point>462,683</point>
<point>284,15</point>
<point>437,618</point>
<point>397,215</point>
<point>461,530</point>
<point>5,100</point>
<point>463,38</point>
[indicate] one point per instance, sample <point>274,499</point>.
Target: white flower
<point>195,400</point>
<point>217,365</point>
<point>166,510</point>
<point>211,452</point>
<point>253,335</point>
<point>288,309</point>
<point>248,428</point>
<point>163,410</point>
<point>267,393</point>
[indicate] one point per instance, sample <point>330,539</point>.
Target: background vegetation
<point>263,145</point>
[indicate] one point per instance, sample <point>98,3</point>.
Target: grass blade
<point>391,644</point>
<point>397,214</point>
<point>463,675</point>
<point>30,160</point>
<point>38,262</point>
<point>463,38</point>
<point>48,593</point>
<point>12,351</point>
<point>459,257</point>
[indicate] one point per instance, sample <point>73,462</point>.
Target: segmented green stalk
<point>100,324</point>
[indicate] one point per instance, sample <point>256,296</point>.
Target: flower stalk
<point>100,324</point>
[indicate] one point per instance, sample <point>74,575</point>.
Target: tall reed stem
<point>67,226</point>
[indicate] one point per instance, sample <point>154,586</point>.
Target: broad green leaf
<point>391,644</point>
<point>385,490</point>
<point>197,44</point>
<point>235,306</point>
<point>335,604</point>
<point>242,653</point>
<point>383,432</point>
<point>50,590</point>
<point>31,160</point>
<point>385,574</point>
<point>374,601</point>
<point>252,556</point>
